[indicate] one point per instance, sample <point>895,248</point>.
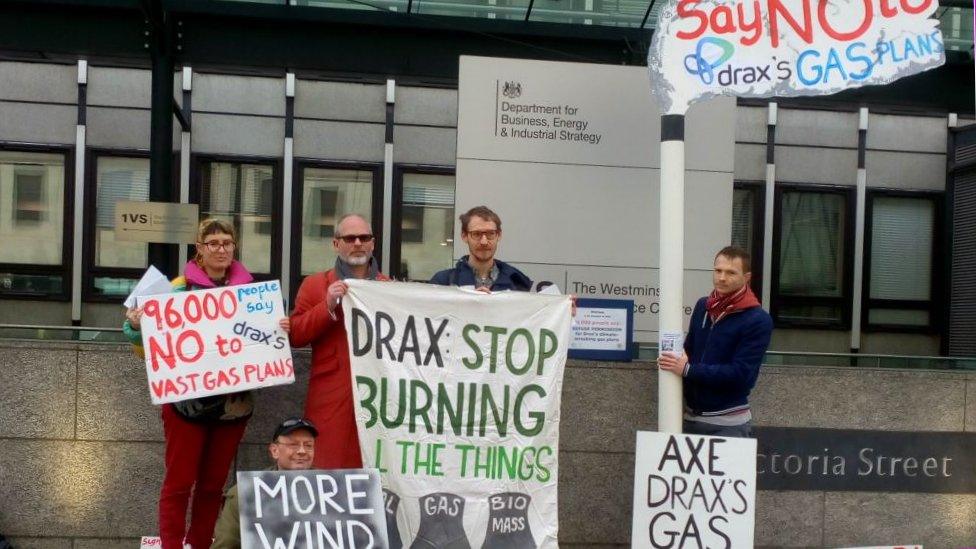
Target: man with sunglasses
<point>481,230</point>
<point>292,449</point>
<point>317,321</point>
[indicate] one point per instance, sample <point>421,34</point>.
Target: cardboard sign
<point>457,404</point>
<point>694,491</point>
<point>706,48</point>
<point>338,508</point>
<point>166,222</point>
<point>217,341</point>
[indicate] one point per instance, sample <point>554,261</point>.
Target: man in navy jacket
<point>727,339</point>
<point>481,230</point>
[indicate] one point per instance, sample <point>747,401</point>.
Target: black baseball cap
<point>293,424</point>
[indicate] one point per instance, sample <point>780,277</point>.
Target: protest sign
<point>457,405</point>
<point>602,329</point>
<point>694,491</point>
<point>216,341</point>
<point>150,542</point>
<point>705,48</point>
<point>342,508</point>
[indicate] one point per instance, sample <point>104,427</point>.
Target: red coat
<point>329,402</point>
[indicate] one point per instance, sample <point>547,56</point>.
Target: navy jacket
<point>724,359</point>
<point>509,278</point>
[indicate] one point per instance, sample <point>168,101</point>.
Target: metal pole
<point>161,125</point>
<point>672,260</point>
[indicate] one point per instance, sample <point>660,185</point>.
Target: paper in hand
<point>152,282</point>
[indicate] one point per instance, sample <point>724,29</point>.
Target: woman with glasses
<point>201,434</point>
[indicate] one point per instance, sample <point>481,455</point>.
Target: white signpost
<point>217,341</point>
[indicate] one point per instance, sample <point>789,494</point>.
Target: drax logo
<point>710,54</point>
<point>709,64</point>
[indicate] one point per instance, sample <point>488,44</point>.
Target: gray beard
<point>356,261</point>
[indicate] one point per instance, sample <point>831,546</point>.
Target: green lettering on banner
<point>367,401</point>
<point>530,355</point>
<point>421,410</point>
<point>495,331</point>
<point>401,407</point>
<point>501,421</point>
<point>544,351</point>
<point>444,408</point>
<point>539,417</point>
<point>479,358</point>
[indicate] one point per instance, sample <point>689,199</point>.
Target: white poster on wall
<point>567,154</point>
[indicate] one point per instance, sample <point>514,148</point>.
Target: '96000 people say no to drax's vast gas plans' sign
<point>766,48</point>
<point>216,341</point>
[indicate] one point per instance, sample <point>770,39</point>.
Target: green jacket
<point>227,532</point>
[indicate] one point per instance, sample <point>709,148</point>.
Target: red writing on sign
<point>195,309</point>
<point>229,377</point>
<point>746,18</point>
<point>187,345</point>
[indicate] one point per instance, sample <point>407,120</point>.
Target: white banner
<point>213,342</point>
<point>704,48</point>
<point>458,407</point>
<point>694,491</point>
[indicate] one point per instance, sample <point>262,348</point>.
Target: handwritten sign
<point>692,491</point>
<point>338,508</point>
<point>217,341</point>
<point>706,48</point>
<point>150,542</point>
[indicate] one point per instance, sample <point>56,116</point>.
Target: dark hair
<point>484,212</point>
<point>735,252</point>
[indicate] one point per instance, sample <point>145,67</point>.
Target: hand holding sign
<point>216,341</point>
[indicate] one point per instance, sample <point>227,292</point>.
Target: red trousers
<point>198,457</point>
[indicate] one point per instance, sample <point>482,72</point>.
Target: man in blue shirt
<point>727,339</point>
<point>481,230</point>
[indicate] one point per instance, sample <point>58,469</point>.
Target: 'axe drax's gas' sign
<point>216,341</point>
<point>694,491</point>
<point>776,48</point>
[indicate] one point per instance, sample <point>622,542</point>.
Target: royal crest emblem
<point>512,89</point>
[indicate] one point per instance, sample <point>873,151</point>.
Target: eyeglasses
<point>295,446</point>
<point>478,235</point>
<point>215,246</point>
<point>352,238</point>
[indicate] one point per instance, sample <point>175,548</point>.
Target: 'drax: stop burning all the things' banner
<point>457,404</point>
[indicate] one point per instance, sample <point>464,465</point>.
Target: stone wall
<point>81,449</point>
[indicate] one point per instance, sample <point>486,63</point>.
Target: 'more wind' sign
<point>767,48</point>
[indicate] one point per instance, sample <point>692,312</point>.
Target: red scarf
<point>719,305</point>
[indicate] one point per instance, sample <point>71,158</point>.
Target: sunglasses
<point>351,238</point>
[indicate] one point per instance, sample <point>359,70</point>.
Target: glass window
<point>118,179</point>
<point>31,208</point>
<point>244,194</point>
<point>902,241</point>
<point>327,195</point>
<point>812,256</point>
<point>427,225</point>
<point>743,218</point>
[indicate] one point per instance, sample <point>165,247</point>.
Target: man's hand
<point>285,324</point>
<point>483,289</point>
<point>572,298</point>
<point>134,315</point>
<point>334,293</point>
<point>673,363</point>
